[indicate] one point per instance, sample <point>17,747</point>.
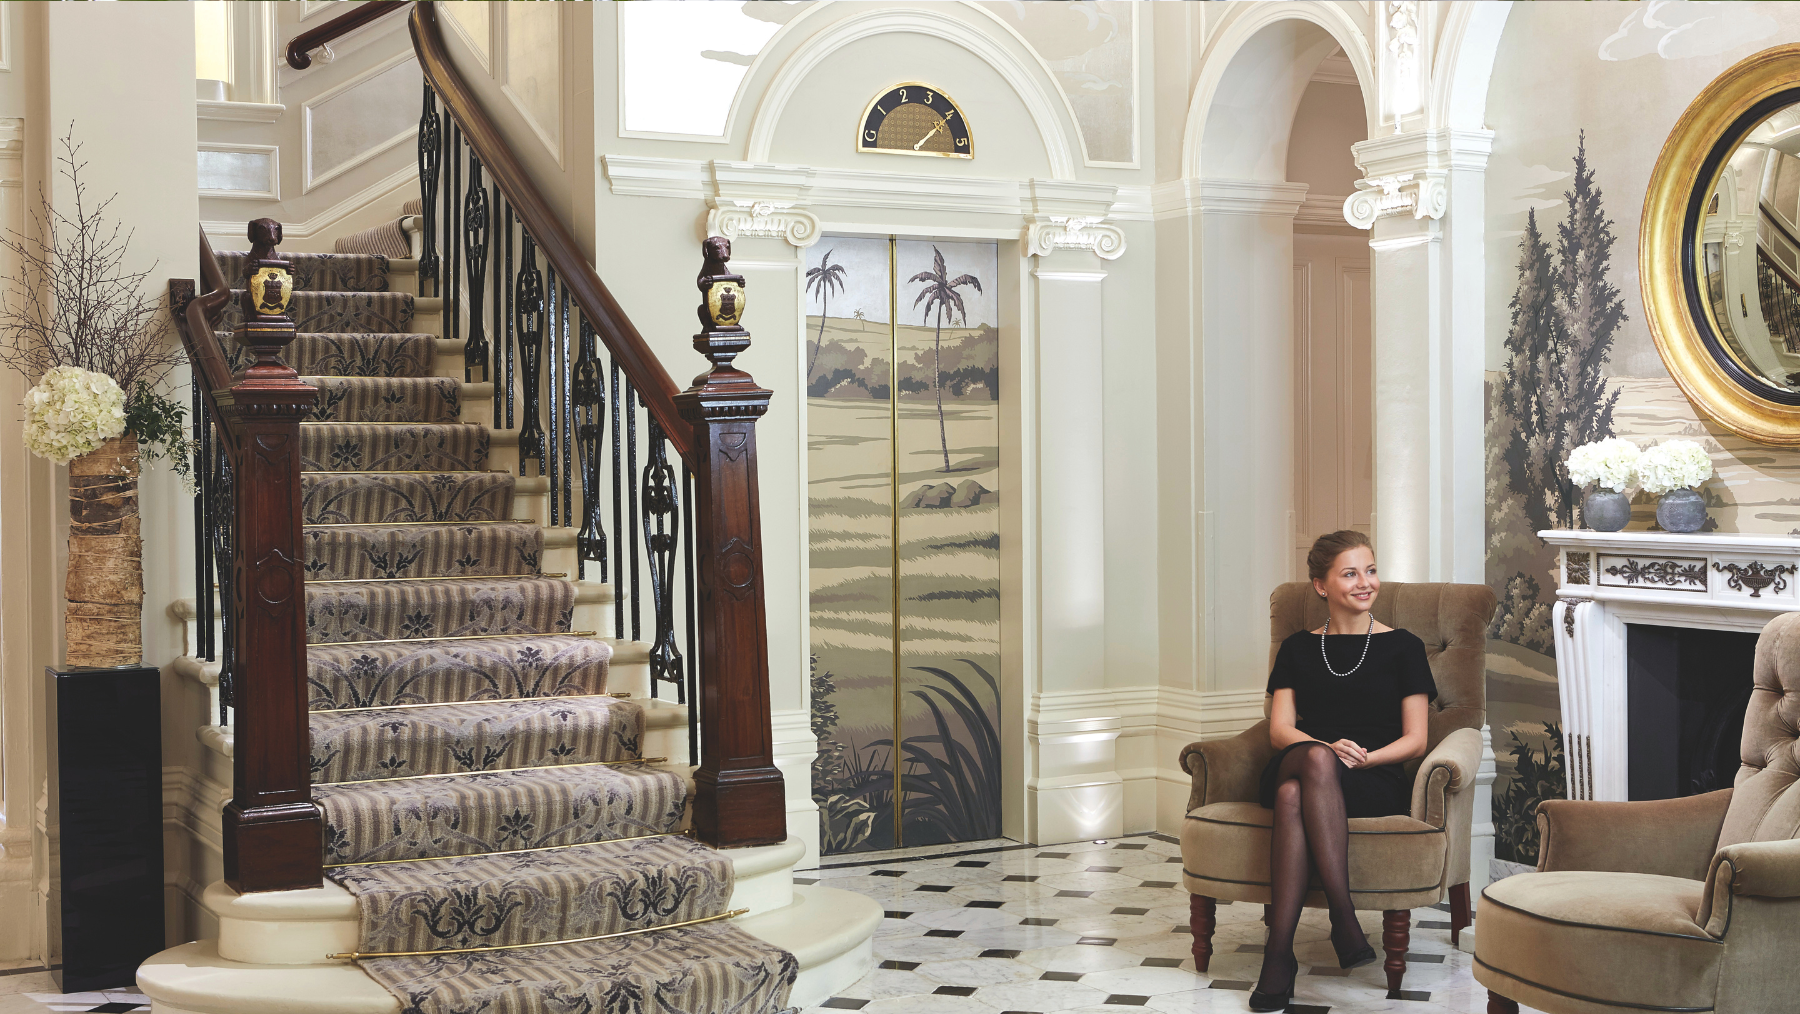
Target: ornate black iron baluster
<point>203,612</point>
<point>662,523</point>
<point>631,504</point>
<point>453,305</point>
<point>512,223</point>
<point>590,425</point>
<point>554,395</point>
<point>223,512</point>
<point>690,602</point>
<point>529,312</point>
<point>446,226</point>
<point>430,150</point>
<point>618,505</point>
<point>496,297</point>
<point>477,231</point>
<point>566,417</point>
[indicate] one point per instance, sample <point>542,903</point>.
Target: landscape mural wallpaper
<point>904,475</point>
<point>1580,102</point>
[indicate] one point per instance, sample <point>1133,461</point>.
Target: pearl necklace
<point>1365,652</point>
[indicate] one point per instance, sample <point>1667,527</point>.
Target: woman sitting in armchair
<point>1349,710</point>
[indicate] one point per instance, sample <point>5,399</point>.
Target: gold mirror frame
<point>1687,172</point>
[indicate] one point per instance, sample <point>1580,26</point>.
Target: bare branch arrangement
<point>74,301</point>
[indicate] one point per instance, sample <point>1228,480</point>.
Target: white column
<point>1245,277</point>
<point>1072,789</point>
<point>1430,321</point>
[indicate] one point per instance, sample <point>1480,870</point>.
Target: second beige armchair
<point>1397,863</point>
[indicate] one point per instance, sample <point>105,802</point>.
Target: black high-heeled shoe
<point>1357,960</point>
<point>1260,1001</point>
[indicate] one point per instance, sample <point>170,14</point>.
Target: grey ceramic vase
<point>1606,511</point>
<point>1681,510</point>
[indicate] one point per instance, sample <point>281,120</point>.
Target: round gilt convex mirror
<point>1719,250</point>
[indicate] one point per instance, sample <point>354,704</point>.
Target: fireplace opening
<point>1686,692</point>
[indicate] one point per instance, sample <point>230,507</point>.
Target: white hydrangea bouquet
<point>72,412</point>
<point>1672,465</point>
<point>1610,464</point>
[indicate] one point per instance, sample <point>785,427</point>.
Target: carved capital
<point>1046,234</point>
<point>734,219</point>
<point>1419,194</point>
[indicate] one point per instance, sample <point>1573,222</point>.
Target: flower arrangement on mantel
<point>1670,470</point>
<point>82,327</point>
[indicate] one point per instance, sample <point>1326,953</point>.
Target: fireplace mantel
<point>1609,579</point>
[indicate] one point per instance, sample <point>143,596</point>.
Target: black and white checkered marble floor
<point>28,989</point>
<point>1099,928</point>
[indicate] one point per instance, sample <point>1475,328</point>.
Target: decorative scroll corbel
<point>1422,195</point>
<point>1044,235</point>
<point>735,219</point>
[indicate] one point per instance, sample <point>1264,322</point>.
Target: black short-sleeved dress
<point>1363,707</point>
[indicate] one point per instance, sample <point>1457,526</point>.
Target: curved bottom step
<point>829,931</point>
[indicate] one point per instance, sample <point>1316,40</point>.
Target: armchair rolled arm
<point>1446,771</point>
<point>1670,837</point>
<point>1752,869</point>
<point>1228,770</point>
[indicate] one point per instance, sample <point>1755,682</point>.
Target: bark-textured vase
<point>1606,511</point>
<point>105,586</point>
<point>1681,510</point>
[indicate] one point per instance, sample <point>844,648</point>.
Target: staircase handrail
<point>299,49</point>
<point>201,316</point>
<point>602,311</point>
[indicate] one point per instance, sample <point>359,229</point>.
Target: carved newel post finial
<point>267,328</point>
<point>739,798</point>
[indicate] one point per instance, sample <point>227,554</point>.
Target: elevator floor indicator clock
<point>915,119</point>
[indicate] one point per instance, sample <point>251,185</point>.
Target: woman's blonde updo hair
<point>1325,550</point>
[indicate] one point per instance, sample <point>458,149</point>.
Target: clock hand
<point>927,137</point>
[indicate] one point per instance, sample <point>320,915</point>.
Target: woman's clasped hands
<point>1352,755</point>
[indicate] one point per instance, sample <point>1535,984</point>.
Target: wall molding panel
<point>250,172</point>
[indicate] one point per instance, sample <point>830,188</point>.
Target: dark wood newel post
<point>271,825</point>
<point>740,800</point>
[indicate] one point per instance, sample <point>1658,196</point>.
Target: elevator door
<point>902,384</point>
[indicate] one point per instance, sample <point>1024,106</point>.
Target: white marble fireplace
<point>1611,579</point>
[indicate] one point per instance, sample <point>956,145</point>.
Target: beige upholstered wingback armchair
<point>1689,904</point>
<point>1397,863</point>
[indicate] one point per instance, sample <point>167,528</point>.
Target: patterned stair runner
<point>480,788</point>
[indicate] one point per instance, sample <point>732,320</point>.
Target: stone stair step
<point>497,811</point>
<point>421,609</point>
<point>387,399</point>
<point>350,746</point>
<point>395,447</point>
<point>367,552</point>
<point>537,897</point>
<point>476,669</point>
<point>394,498</point>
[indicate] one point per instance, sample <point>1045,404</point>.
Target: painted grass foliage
<point>952,781</point>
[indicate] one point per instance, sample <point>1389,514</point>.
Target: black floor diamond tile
<point>998,952</point>
<point>1250,948</point>
<point>1053,855</point>
<point>904,966</point>
<point>1158,883</point>
<point>896,915</point>
<point>1429,959</point>
<point>1126,1000</point>
<point>1037,922</point>
<point>1442,906</point>
<point>1172,859</point>
<point>1306,1008</point>
<point>1409,994</point>
<point>1073,894</point>
<point>1138,845</point>
<point>1062,976</point>
<point>984,904</point>
<point>1183,929</point>
<point>1422,923</point>
<point>943,933</point>
<point>972,862</point>
<point>937,888</point>
<point>844,1003</point>
<point>1230,984</point>
<point>1327,970</point>
<point>1018,878</point>
<point>1161,962</point>
<point>888,873</point>
<point>1104,869</point>
<point>955,991</point>
<point>1098,941</point>
<point>1129,911</point>
<point>116,1007</point>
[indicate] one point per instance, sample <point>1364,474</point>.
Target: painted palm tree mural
<point>939,292</point>
<point>822,280</point>
<point>904,564</point>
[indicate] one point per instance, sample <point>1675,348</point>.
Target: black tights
<point>1309,817</point>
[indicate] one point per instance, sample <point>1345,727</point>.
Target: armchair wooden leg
<point>1459,912</point>
<point>1396,934</point>
<point>1200,919</point>
<point>1498,1004</point>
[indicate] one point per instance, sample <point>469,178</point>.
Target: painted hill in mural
<point>852,362</point>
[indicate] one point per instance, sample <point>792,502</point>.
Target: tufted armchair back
<point>1765,801</point>
<point>1452,620</point>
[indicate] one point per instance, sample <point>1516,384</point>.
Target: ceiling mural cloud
<point>1679,30</point>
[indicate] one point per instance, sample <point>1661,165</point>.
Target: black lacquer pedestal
<point>105,821</point>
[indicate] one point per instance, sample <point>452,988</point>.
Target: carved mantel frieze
<point>1608,581</point>
<point>1046,234</point>
<point>736,218</point>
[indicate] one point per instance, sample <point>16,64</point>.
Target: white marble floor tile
<point>1078,958</point>
<point>964,918</point>
<point>1043,995</point>
<point>1142,981</point>
<point>978,972</point>
<point>26,982</point>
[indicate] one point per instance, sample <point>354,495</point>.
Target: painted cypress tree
<point>1530,385</point>
<point>1589,307</point>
